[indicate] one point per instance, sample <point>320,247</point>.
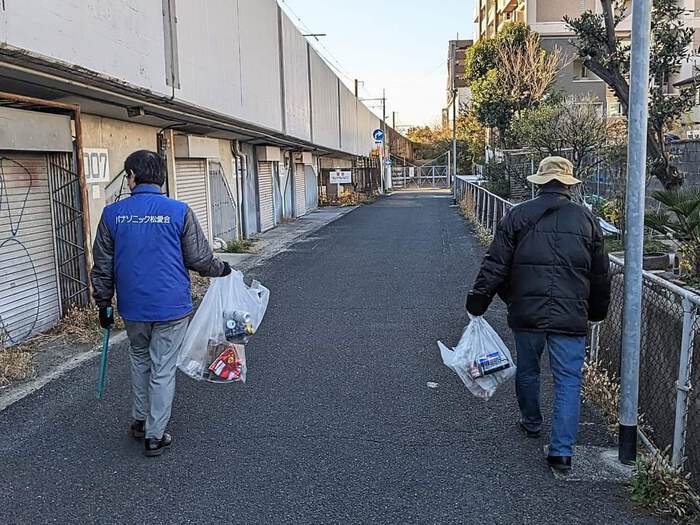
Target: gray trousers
<point>154,351</point>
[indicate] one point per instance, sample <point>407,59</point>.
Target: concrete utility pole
<point>386,184</point>
<point>634,223</point>
<point>454,112</point>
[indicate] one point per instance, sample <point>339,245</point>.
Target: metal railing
<point>669,404</point>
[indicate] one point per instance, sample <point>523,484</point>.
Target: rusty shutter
<point>29,291</point>
<point>266,192</point>
<point>191,181</point>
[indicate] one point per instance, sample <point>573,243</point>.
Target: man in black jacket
<point>549,265</point>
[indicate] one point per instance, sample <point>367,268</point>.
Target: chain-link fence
<point>669,407</point>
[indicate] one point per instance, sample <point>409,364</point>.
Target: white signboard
<point>96,162</point>
<point>341,177</point>
<point>411,172</point>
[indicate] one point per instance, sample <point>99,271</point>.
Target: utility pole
<point>386,184</point>
<point>454,112</point>
<point>357,88</point>
<point>393,120</point>
<point>634,223</point>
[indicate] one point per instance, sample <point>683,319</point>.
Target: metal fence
<point>668,403</point>
<point>429,176</point>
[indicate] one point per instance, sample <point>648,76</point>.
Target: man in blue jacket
<point>144,247</point>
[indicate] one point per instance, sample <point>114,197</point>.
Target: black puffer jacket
<point>553,273</point>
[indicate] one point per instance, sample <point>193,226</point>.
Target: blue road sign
<point>378,135</point>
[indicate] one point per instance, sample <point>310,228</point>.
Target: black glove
<point>106,318</point>
<point>477,304</point>
<point>227,270</point>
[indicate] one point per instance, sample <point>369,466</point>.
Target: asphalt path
<point>336,423</point>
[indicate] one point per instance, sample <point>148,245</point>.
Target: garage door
<point>299,191</point>
<point>191,182</point>
<point>266,189</point>
<point>29,296</point>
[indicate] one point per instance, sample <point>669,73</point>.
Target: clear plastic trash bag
<point>480,359</point>
<point>214,346</point>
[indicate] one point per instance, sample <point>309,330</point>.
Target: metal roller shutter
<point>299,190</point>
<point>265,189</point>
<point>29,293</point>
<point>191,181</point>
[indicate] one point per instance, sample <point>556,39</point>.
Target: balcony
<point>506,6</point>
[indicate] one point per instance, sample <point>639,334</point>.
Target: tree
<point>608,55</point>
<point>507,74</point>
<point>573,127</point>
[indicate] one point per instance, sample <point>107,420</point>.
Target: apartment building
<point>546,18</point>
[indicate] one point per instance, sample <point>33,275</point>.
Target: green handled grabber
<point>103,360</point>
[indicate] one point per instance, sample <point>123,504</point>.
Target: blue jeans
<point>566,356</point>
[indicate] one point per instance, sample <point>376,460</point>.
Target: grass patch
<point>466,209</point>
<point>603,389</point>
<point>663,489</point>
<point>16,364</point>
<point>240,246</point>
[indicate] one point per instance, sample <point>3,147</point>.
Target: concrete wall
<point>241,59</point>
<point>120,38</point>
<point>348,120</point>
<point>206,29</point>
<point>120,139</point>
<point>297,102</point>
<point>324,97</point>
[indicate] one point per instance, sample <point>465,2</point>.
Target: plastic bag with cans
<point>230,313</point>
<point>480,359</point>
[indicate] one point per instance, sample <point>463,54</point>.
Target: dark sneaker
<point>559,463</point>
<point>155,447</point>
<point>532,434</point>
<point>137,430</point>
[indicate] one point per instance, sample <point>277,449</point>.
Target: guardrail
<point>669,404</point>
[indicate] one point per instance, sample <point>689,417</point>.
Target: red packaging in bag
<point>229,365</point>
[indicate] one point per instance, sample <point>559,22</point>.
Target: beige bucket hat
<point>554,168</point>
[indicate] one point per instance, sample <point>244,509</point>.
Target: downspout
<point>241,163</point>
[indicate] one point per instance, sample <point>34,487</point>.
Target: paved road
<point>336,423</point>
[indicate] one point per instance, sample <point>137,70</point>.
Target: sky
<point>399,45</point>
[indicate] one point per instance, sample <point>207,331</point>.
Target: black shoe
<point>137,430</point>
<point>154,447</point>
<point>532,434</point>
<point>559,463</point>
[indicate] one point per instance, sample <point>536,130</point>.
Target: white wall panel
<point>260,63</point>
<point>367,123</point>
<point>324,99</point>
<point>119,38</point>
<point>210,76</point>
<point>348,120</point>
<point>296,81</point>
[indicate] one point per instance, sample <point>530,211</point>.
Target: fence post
<point>595,341</point>
<point>488,211</point>
<point>495,217</point>
<point>683,383</point>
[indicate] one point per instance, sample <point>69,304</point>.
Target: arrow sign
<point>378,135</point>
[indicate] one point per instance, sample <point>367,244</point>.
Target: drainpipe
<point>241,162</point>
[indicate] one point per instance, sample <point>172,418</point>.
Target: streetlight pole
<point>634,223</point>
